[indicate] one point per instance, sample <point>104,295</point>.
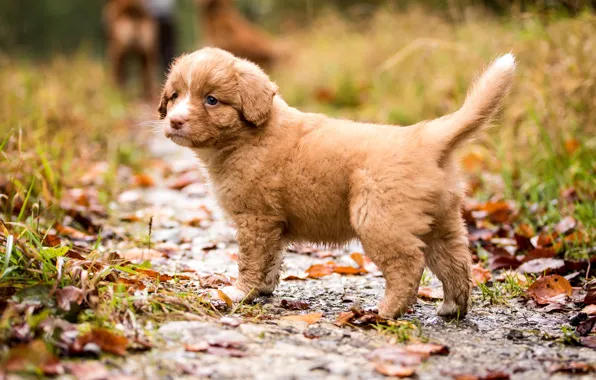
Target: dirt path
<point>512,338</point>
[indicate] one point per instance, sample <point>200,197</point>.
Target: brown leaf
<point>344,318</point>
<point>480,275</point>
<point>143,180</point>
<point>320,270</point>
<point>51,240</point>
<point>73,234</point>
<point>141,254</point>
<point>548,287</point>
<point>359,317</point>
<point>426,349</point>
<point>105,339</point>
<point>226,352</point>
<point>429,293</point>
<point>505,261</point>
<point>497,212</point>
<point>74,255</point>
<point>184,180</point>
<point>196,347</point>
<point>590,298</point>
<point>292,277</point>
<point>68,295</point>
<point>364,262</point>
<point>586,327</point>
<point>308,318</point>
<point>571,367</point>
<point>294,304</point>
<point>590,310</point>
<point>541,266</point>
<point>31,356</point>
<point>159,276</point>
<point>215,281</point>
<point>539,253</point>
<point>523,242</point>
<point>395,370</point>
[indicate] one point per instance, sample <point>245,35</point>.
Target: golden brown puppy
<point>285,176</point>
<point>132,33</point>
<point>225,27</point>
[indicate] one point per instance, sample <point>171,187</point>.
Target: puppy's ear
<point>163,105</point>
<point>256,92</point>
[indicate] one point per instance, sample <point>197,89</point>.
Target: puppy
<point>132,33</point>
<point>287,176</point>
<point>226,28</point>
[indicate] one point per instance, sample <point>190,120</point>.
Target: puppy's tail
<point>484,99</point>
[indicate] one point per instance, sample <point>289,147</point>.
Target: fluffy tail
<point>483,100</point>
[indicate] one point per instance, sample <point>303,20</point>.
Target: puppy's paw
<point>450,309</point>
<point>391,311</point>
<point>233,293</point>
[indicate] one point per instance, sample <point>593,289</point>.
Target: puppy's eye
<point>174,96</point>
<point>210,100</point>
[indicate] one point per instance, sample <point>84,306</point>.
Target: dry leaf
<point>590,310</point>
<point>571,145</point>
<point>308,318</point>
<point>67,296</point>
<point>426,349</point>
<point>565,225</point>
<point>395,370</point>
<point>429,293</point>
<point>88,370</point>
<point>539,253</point>
<point>541,266</point>
<point>480,275</point>
<point>196,347</point>
<point>143,180</point>
<point>184,180</point>
<point>572,367</point>
<point>548,287</point>
<point>215,281</point>
<point>320,270</point>
<point>105,339</point>
<point>295,304</point>
<point>34,355</point>
<point>224,297</point>
<point>291,277</point>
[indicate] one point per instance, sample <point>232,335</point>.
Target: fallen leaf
<point>396,355</point>
<point>348,270</point>
<point>185,179</point>
<point>539,253</point>
<point>504,261</point>
<point>571,367</point>
<point>215,281</point>
<point>589,310</point>
<point>586,327</point>
<point>227,352</point>
<point>358,259</point>
<point>497,212</point>
<point>196,347</point>
<point>364,262</point>
<point>143,180</point>
<point>67,296</point>
<point>140,254</point>
<point>105,339</point>
<point>51,240</point>
<point>429,293</point>
<point>224,297</point>
<point>308,318</point>
<point>523,242</point>
<point>395,370</point>
<point>479,275</point>
<point>571,145</point>
<point>590,298</point>
<point>548,287</point>
<point>33,356</point>
<point>294,304</point>
<point>160,276</point>
<point>541,266</point>
<point>292,277</point>
<point>320,270</point>
<point>426,349</point>
<point>73,234</point>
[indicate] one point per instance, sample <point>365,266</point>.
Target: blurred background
<point>381,61</point>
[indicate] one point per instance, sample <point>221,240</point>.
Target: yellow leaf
<point>308,318</point>
<point>225,298</point>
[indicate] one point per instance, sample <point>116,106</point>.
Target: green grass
<point>402,331</point>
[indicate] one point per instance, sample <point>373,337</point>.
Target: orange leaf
<point>348,270</point>
<point>308,318</point>
<point>141,254</point>
<point>143,180</point>
<point>396,370</point>
<point>547,287</point>
<point>358,258</point>
<point>571,145</point>
<point>480,275</point>
<point>196,347</point>
<point>106,340</point>
<point>320,270</point>
<point>426,349</point>
<point>224,297</point>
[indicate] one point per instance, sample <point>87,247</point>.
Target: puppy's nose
<point>178,121</point>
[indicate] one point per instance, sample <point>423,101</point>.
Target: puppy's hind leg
<point>448,256</point>
<point>393,247</point>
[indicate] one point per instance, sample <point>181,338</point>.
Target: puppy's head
<point>210,96</point>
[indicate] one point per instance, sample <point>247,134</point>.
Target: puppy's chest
<point>246,194</point>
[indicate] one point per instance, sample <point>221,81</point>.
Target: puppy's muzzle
<point>178,121</point>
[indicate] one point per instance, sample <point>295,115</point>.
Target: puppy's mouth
<point>179,138</point>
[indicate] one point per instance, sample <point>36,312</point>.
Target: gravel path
<point>514,338</point>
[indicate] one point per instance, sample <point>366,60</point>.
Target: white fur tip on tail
<point>506,62</point>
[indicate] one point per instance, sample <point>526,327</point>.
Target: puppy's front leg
<point>259,259</point>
